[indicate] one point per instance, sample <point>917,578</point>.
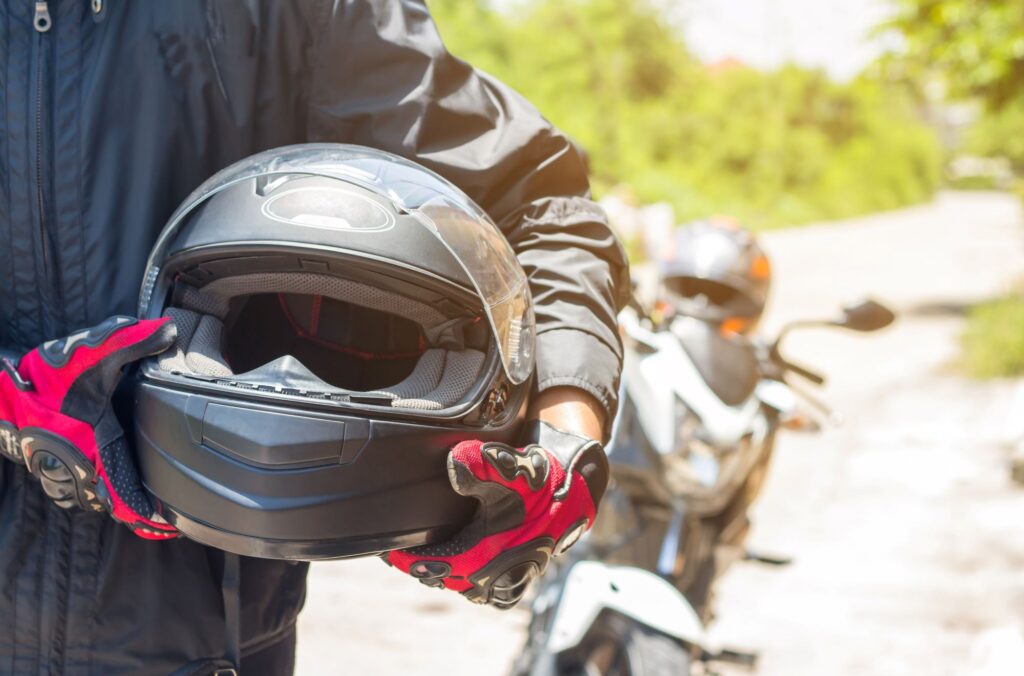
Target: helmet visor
<point>465,230</point>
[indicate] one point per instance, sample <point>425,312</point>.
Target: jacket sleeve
<point>383,78</point>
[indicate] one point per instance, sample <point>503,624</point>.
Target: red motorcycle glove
<point>56,418</point>
<point>535,502</point>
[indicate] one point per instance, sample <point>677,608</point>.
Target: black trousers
<point>277,659</point>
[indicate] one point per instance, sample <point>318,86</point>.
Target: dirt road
<point>908,536</point>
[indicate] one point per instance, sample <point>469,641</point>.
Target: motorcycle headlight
<point>692,464</point>
<point>697,466</point>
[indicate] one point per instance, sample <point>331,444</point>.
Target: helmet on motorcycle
<point>715,270</point>
<point>344,317</point>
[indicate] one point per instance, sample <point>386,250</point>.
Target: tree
<point>770,148</point>
<point>976,47</point>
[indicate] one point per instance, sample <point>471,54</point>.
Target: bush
<point>772,149</point>
<point>993,342</point>
<point>974,183</point>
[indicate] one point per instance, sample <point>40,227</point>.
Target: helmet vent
<point>329,207</point>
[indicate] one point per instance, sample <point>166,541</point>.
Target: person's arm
<point>569,409</point>
<point>383,78</point>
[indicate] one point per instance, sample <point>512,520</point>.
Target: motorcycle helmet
<point>716,271</point>
<point>344,317</point>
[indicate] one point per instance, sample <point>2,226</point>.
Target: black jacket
<point>107,120</point>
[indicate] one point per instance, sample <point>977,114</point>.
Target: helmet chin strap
<point>231,663</point>
<point>231,583</point>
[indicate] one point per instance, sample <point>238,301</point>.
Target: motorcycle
<point>689,453</point>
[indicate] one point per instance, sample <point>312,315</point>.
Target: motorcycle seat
<point>728,364</point>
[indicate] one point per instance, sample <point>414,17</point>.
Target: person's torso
<point>107,120</point>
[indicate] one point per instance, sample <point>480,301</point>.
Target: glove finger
<point>523,469</point>
<point>429,572</point>
<point>57,481</point>
<point>10,441</point>
<point>67,476</point>
<point>128,500</point>
<point>510,587</point>
<point>100,352</point>
<point>503,581</point>
<point>466,454</point>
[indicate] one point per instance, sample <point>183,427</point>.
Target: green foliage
<point>976,47</point>
<point>1000,133</point>
<point>993,342</point>
<point>974,183</point>
<point>770,148</point>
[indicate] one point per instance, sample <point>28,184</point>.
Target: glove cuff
<point>575,452</point>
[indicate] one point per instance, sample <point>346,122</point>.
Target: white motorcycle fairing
<point>642,596</point>
<point>657,378</point>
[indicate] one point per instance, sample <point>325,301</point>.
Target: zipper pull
<point>42,20</point>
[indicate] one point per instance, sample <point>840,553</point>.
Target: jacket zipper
<point>43,22</point>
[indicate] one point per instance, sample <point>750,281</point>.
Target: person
<point>112,112</point>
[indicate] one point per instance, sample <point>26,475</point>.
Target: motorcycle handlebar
<point>804,373</point>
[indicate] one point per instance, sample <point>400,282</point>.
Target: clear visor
<point>465,230</point>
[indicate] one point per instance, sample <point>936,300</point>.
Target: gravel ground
<point>907,534</point>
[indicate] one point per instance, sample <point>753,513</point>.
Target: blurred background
<point>877,148</point>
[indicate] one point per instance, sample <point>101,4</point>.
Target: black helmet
<point>344,317</point>
<point>716,271</point>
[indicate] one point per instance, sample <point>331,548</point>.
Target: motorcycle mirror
<point>867,315</point>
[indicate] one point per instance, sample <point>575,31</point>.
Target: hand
<point>535,502</point>
<point>56,418</point>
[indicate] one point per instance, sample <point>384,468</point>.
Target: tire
<point>618,646</point>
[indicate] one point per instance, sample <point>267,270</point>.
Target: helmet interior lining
<point>217,324</point>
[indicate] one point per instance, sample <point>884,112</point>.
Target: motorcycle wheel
<point>618,646</point>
